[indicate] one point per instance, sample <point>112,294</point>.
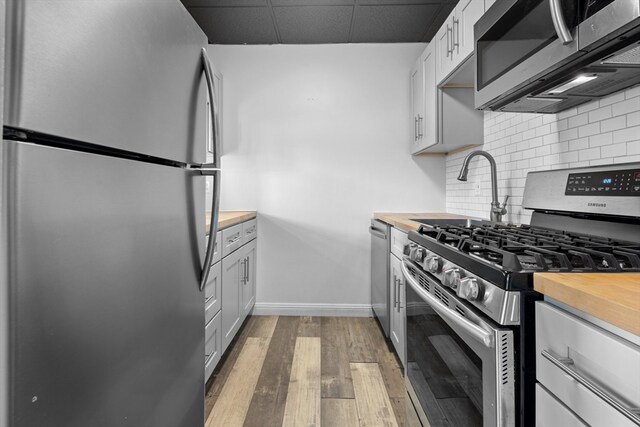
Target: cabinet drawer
<point>231,239</point>
<point>213,345</point>
<point>212,292</point>
<point>217,253</point>
<point>249,230</point>
<point>551,412</point>
<point>398,241</point>
<point>605,360</point>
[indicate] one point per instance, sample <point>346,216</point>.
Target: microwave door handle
<point>211,169</point>
<point>484,337</point>
<point>559,23</point>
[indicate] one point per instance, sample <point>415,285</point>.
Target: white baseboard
<point>284,309</point>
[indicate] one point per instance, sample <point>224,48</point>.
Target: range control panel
<point>604,183</point>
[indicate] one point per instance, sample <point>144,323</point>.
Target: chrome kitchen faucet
<point>497,210</point>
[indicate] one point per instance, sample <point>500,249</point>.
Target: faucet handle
<point>503,207</point>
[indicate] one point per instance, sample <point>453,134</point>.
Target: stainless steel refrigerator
<point>102,214</point>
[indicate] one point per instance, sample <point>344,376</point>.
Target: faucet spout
<point>497,210</point>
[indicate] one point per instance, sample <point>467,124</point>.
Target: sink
<point>462,222</point>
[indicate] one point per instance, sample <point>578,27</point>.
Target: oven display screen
<point>606,183</point>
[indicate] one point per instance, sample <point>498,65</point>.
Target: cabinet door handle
<point>455,31</point>
<point>243,279</point>
<point>565,364</point>
<point>395,296</point>
<point>415,128</point>
<point>246,266</point>
<point>420,135</point>
<point>449,33</point>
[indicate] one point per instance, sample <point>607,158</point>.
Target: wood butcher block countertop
<point>228,218</point>
<point>403,220</point>
<point>612,297</point>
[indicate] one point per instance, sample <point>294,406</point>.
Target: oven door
<point>460,367</point>
<point>519,41</point>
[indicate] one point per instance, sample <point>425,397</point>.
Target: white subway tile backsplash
<point>601,139</point>
<point>626,106</point>
<point>614,123</point>
<point>590,154</point>
<point>627,134</point>
<point>633,119</point>
<point>588,130</point>
<point>579,120</point>
<point>600,114</point>
<point>601,132</point>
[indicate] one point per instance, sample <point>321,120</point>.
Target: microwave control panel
<point>604,183</point>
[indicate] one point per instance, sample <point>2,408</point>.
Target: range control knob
<point>452,277</point>
<point>418,254</point>
<point>434,264</point>
<point>470,289</point>
<point>407,249</point>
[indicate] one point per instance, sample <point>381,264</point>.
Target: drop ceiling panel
<point>319,21</point>
<point>313,24</point>
<point>401,23</point>
<point>236,25</point>
<point>312,2</point>
<point>224,3</point>
<point>402,2</point>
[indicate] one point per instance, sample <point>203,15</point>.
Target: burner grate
<point>528,248</point>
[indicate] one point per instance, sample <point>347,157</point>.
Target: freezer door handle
<point>211,169</point>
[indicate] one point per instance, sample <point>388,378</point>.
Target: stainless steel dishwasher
<point>380,272</point>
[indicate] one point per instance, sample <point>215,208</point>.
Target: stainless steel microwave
<point>546,56</point>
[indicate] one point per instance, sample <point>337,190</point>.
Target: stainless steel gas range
<point>470,298</point>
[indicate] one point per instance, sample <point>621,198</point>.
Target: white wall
<point>603,131</point>
<point>316,138</point>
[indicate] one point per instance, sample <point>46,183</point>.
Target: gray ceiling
<point>319,21</point>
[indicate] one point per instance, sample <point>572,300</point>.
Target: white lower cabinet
<point>551,412</point>
<point>249,282</point>
<point>232,273</point>
<point>212,345</point>
<point>590,372</point>
<point>397,304</point>
<point>230,292</point>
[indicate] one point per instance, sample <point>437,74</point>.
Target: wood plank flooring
<point>308,371</point>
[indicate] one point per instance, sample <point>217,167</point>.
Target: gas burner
<point>522,248</point>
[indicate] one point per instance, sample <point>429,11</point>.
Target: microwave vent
<point>530,104</point>
<point>628,57</point>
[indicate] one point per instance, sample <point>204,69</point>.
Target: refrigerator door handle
<point>211,169</point>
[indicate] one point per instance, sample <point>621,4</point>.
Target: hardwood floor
<point>308,371</point>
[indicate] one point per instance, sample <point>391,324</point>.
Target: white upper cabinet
<point>455,38</point>
<point>442,87</point>
<point>417,104</point>
<point>424,97</point>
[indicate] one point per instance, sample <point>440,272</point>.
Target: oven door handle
<point>483,336</point>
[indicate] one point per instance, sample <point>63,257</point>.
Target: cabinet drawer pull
<point>565,364</point>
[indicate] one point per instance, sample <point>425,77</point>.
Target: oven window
<point>522,31</point>
<point>445,373</point>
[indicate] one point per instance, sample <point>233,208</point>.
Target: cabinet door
<point>249,282</point>
<point>397,306</point>
<point>213,343</point>
<point>430,98</point>
<point>467,12</point>
<point>444,56</point>
<point>231,296</point>
<point>417,103</point>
